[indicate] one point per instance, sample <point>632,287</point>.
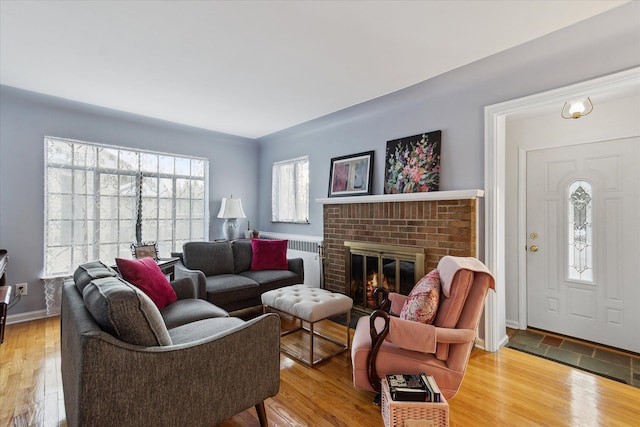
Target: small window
<point>290,191</point>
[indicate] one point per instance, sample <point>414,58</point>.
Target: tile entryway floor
<point>616,365</point>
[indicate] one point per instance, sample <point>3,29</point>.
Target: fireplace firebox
<point>373,265</point>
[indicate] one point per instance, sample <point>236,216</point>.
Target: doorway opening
<point>508,265</point>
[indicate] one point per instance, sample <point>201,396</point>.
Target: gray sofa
<point>222,274</point>
<point>124,362</point>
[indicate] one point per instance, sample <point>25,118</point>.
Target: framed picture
<point>145,249</point>
<point>412,164</point>
<point>351,175</point>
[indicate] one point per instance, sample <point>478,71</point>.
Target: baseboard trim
<point>29,316</point>
<point>504,341</point>
<point>513,324</point>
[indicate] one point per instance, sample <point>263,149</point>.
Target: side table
<point>167,266</point>
<point>5,297</point>
<point>396,413</point>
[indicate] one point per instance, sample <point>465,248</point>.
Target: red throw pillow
<point>146,275</point>
<point>422,303</point>
<point>269,255</point>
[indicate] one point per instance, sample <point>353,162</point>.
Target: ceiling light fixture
<point>576,109</point>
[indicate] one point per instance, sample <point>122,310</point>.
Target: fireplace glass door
<point>375,266</point>
<point>399,274</point>
<point>365,277</point>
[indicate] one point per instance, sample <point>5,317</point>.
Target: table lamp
<point>231,210</point>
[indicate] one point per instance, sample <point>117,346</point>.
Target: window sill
<point>290,222</point>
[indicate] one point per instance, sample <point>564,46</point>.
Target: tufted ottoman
<point>310,305</point>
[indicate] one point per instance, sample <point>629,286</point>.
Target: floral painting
<point>351,175</point>
<point>413,164</point>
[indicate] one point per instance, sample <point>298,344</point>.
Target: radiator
<point>306,247</point>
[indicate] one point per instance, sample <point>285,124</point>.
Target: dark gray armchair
<point>197,373</point>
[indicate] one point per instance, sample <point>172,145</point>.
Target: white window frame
<point>290,191</point>
<point>172,202</point>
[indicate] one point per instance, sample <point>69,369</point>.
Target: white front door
<point>583,240</point>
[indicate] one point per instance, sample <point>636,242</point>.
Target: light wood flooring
<point>507,388</point>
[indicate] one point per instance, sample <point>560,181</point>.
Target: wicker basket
<point>395,413</point>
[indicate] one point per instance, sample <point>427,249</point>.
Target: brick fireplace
<point>442,223</point>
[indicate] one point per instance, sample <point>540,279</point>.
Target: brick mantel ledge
<point>409,197</point>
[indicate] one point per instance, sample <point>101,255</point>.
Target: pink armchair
<point>385,344</point>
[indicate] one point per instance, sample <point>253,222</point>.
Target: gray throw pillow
<point>125,312</point>
<point>86,272</point>
<point>212,258</point>
<point>242,254</point>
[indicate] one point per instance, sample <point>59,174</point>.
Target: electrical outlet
<point>21,289</point>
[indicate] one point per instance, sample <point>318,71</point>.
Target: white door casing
<point>495,166</point>
<point>597,297</point>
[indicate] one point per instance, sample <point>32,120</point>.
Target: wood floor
<point>507,388</point>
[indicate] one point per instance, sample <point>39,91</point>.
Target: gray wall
<point>454,103</point>
<point>25,118</point>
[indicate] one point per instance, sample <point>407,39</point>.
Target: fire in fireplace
<point>370,265</point>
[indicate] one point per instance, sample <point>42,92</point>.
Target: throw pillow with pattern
<point>422,303</point>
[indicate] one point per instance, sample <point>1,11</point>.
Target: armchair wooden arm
<point>377,338</point>
<point>381,299</point>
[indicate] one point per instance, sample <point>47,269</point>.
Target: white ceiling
<point>251,68</point>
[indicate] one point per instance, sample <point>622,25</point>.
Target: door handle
<point>533,248</point>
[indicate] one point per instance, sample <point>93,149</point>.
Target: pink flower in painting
<point>340,177</point>
<point>416,175</point>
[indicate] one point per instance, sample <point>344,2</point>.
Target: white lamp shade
<point>231,208</point>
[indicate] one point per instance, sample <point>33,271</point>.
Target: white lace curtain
<point>99,199</point>
<point>290,191</point>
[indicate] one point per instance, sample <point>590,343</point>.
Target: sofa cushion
<point>242,254</point>
<point>422,303</point>
<point>231,291</point>
<point>273,279</point>
<point>190,310</point>
<point>269,254</point>
<point>125,312</point>
<point>451,308</point>
<point>209,257</point>
<point>202,329</point>
<point>147,276</point>
<point>89,271</point>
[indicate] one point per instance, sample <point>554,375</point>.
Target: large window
<point>99,199</point>
<point>290,191</point>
